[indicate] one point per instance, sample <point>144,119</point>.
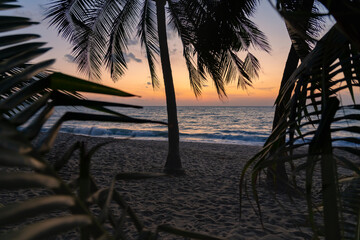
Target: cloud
<point>132,42</point>
<point>173,51</point>
<point>69,58</point>
<point>171,34</point>
<point>129,57</point>
<point>266,88</point>
<point>148,84</point>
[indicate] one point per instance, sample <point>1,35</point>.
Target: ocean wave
<point>154,134</point>
<point>244,132</point>
<point>235,125</point>
<point>162,135</point>
<point>110,132</point>
<point>226,137</point>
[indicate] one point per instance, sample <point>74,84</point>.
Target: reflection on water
<point>234,125</point>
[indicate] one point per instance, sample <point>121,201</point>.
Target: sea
<point>209,124</point>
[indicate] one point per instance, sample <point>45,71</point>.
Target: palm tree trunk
<point>279,170</point>
<point>173,161</point>
<point>321,145</point>
<point>290,66</point>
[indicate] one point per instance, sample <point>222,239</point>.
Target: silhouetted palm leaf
<point>147,32</point>
<point>303,22</point>
<point>211,37</point>
<point>346,14</point>
<point>100,30</point>
<point>30,90</point>
<point>310,120</point>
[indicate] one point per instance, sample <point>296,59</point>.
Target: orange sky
<point>137,78</point>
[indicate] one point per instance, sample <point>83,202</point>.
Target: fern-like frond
<point>147,31</point>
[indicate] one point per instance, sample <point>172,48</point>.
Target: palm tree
<point>29,94</point>
<point>310,119</point>
<point>302,31</point>
<point>212,32</point>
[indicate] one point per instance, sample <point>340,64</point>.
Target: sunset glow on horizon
<point>136,79</point>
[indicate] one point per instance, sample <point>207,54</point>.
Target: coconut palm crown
<point>212,33</point>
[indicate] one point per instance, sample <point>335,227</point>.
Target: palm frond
<point>250,35</point>
<point>196,79</point>
<point>303,22</point>
<point>147,32</point>
<point>89,50</point>
<point>98,30</point>
<point>30,90</point>
<point>214,34</point>
<point>346,14</point>
<point>185,30</point>
<point>309,120</point>
<point>252,65</point>
<point>58,13</point>
<point>123,24</point>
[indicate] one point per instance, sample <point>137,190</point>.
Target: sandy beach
<point>205,200</point>
<point>301,104</point>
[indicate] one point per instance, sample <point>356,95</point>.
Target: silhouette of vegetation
<point>304,25</point>
<point>308,123</point>
<point>29,93</point>
<point>211,32</point>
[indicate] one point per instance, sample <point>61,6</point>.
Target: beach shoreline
<point>205,200</point>
<point>155,139</point>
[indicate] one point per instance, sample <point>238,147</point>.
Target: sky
<point>137,80</point>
